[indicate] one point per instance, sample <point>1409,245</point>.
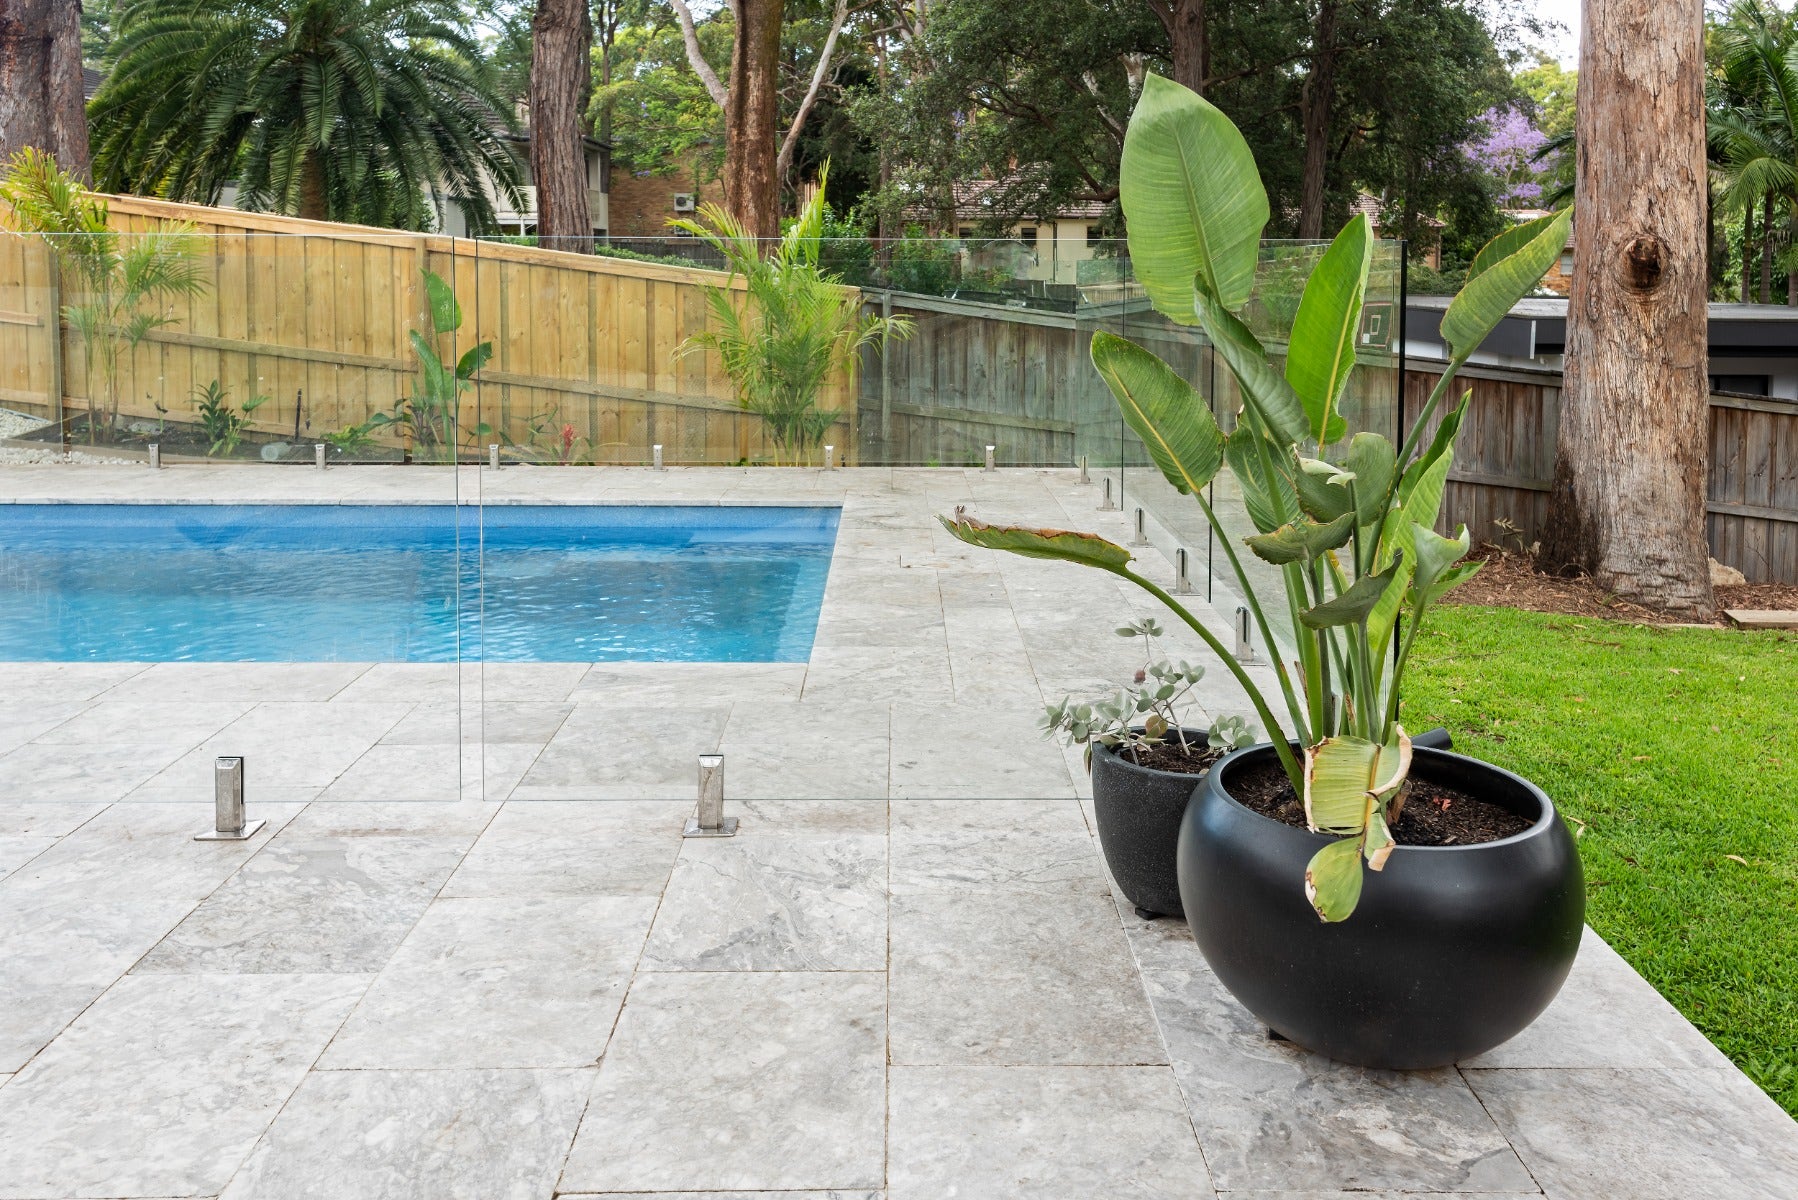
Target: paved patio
<point>907,978</point>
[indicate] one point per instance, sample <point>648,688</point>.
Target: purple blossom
<point>1504,152</point>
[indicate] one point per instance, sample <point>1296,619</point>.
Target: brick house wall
<point>642,200</point>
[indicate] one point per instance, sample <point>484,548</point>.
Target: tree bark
<point>561,46</point>
<point>314,204</point>
<point>1315,103</point>
<point>1767,250</point>
<point>1628,502</point>
<point>41,102</point>
<point>1748,255</point>
<point>1188,42</point>
<point>751,116</point>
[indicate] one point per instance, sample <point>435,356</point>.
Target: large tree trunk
<point>314,203</point>
<point>1315,104</point>
<point>751,182</point>
<point>561,46</point>
<point>1628,504</point>
<point>1748,255</point>
<point>1187,41</point>
<point>41,103</point>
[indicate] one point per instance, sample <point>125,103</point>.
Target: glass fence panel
<point>233,498</point>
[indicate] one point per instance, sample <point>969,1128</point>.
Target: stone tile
<point>450,818</point>
<point>182,683</point>
<point>17,850</point>
<point>288,744</point>
<point>574,848</point>
<point>810,816</point>
<point>29,819</point>
<point>739,1082</point>
<point>499,983</point>
<point>676,685</point>
<point>1273,1116</point>
<point>1606,1016</point>
<point>606,752</point>
<point>312,903</point>
<point>1644,1134</point>
<point>950,751</point>
<point>1257,1194</point>
<point>76,917</point>
<point>1051,815</point>
<point>40,684</point>
<point>37,772</point>
<point>399,1135</point>
<point>792,751</point>
<point>833,1195</point>
<point>863,673</point>
<point>1041,1133</point>
<point>774,902</point>
<point>433,772</point>
<point>164,1085</point>
<point>183,725</point>
<point>1012,977</point>
<point>22,723</point>
<point>488,722</point>
<point>1015,860</point>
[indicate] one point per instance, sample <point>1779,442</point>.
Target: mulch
<point>1511,580</point>
<point>1434,814</point>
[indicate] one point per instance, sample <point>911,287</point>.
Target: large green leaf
<point>1173,420</point>
<point>1266,510</point>
<point>1264,390</point>
<point>1302,542</point>
<point>1508,243</point>
<point>1321,353</point>
<point>1372,459</point>
<point>1333,879</point>
<point>1353,605</point>
<point>1436,554</point>
<point>1321,499</point>
<point>1192,199</point>
<point>1510,273</point>
<point>1339,774</point>
<point>446,314</point>
<point>1060,544</point>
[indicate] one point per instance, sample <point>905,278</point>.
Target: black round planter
<point>1139,811</point>
<point>1452,950</point>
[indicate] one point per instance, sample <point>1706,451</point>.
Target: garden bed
<point>1512,581</point>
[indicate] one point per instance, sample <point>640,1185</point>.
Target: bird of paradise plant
<point>1349,522</point>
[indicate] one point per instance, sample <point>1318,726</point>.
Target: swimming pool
<point>410,583</point>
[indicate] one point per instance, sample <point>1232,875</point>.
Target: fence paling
<point>317,316</point>
<point>1504,468</point>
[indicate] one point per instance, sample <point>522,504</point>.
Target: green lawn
<point>1674,753</point>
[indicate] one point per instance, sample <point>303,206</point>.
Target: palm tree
<point>794,328</point>
<point>1754,128</point>
<point>343,110</point>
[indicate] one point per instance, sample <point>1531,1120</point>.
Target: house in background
<point>1559,278</point>
<point>643,200</point>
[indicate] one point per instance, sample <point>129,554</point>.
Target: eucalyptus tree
<point>40,81</point>
<point>343,110</point>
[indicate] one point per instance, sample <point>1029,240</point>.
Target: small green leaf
<point>1436,554</point>
<point>1333,880</point>
<point>1060,544</point>
<point>1302,542</point>
<point>1353,605</point>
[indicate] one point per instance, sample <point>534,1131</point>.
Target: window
<point>1567,262</point>
<point>1742,385</point>
<point>1027,234</point>
<point>1094,234</point>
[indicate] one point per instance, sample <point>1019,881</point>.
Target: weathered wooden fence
<point>318,318</point>
<point>1505,459</point>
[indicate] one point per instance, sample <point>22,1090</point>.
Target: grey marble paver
<point>164,1085</point>
<point>434,772</point>
<point>739,1082</point>
<point>39,772</point>
<point>1015,978</point>
<point>607,752</point>
<point>312,903</point>
<point>145,721</point>
<point>1644,1134</point>
<point>181,683</point>
<point>574,848</point>
<point>405,1135</point>
<point>74,918</point>
<point>1273,1116</point>
<point>831,1195</point>
<point>1041,1133</point>
<point>499,983</point>
<point>285,743</point>
<point>776,750</point>
<point>774,902</point>
<point>479,721</point>
<point>974,752</point>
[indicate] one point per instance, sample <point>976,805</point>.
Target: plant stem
<point>1275,734</point>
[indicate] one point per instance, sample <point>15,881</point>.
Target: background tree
<point>343,110</point>
<point>561,73</point>
<point>1754,132</point>
<point>1628,499</point>
<point>41,102</point>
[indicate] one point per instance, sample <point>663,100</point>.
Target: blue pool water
<point>405,583</point>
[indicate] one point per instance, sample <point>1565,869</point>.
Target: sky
<point>1562,43</point>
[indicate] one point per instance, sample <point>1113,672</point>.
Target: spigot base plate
<point>694,829</point>
<point>250,830</point>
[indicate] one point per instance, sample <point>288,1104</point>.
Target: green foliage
<point>1670,751</point>
<point>343,110</point>
<point>1753,128</point>
<point>223,425</point>
<point>431,414</point>
<point>1144,711</point>
<point>122,285</point>
<point>1349,527</point>
<point>792,330</point>
<point>352,439</point>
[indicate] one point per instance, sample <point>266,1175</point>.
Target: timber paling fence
<point>318,317</point>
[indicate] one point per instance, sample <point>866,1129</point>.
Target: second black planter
<point>1139,811</point>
